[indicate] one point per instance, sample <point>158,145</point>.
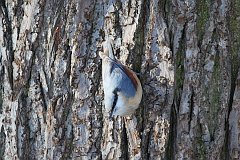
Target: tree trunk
<point>51,97</point>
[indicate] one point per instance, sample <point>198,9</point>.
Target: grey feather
<point>121,80</point>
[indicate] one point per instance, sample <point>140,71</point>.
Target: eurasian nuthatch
<point>122,88</point>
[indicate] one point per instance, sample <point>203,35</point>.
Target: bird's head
<point>107,49</point>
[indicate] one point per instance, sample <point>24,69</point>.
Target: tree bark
<point>51,96</point>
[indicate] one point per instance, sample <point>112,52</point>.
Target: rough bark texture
<point>51,98</point>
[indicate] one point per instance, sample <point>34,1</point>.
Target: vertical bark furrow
<point>1,83</point>
<point>202,11</point>
<point>7,40</point>
<point>224,80</point>
<point>23,128</point>
<point>234,131</point>
<point>207,66</point>
<point>137,51</point>
<point>158,69</point>
<point>185,27</point>
<point>232,123</point>
<point>2,142</point>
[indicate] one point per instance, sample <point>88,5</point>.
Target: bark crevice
<point>2,142</point>
<point>8,41</point>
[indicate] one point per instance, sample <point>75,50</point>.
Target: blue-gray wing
<point>121,80</point>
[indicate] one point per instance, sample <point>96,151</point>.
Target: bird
<point>121,86</point>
